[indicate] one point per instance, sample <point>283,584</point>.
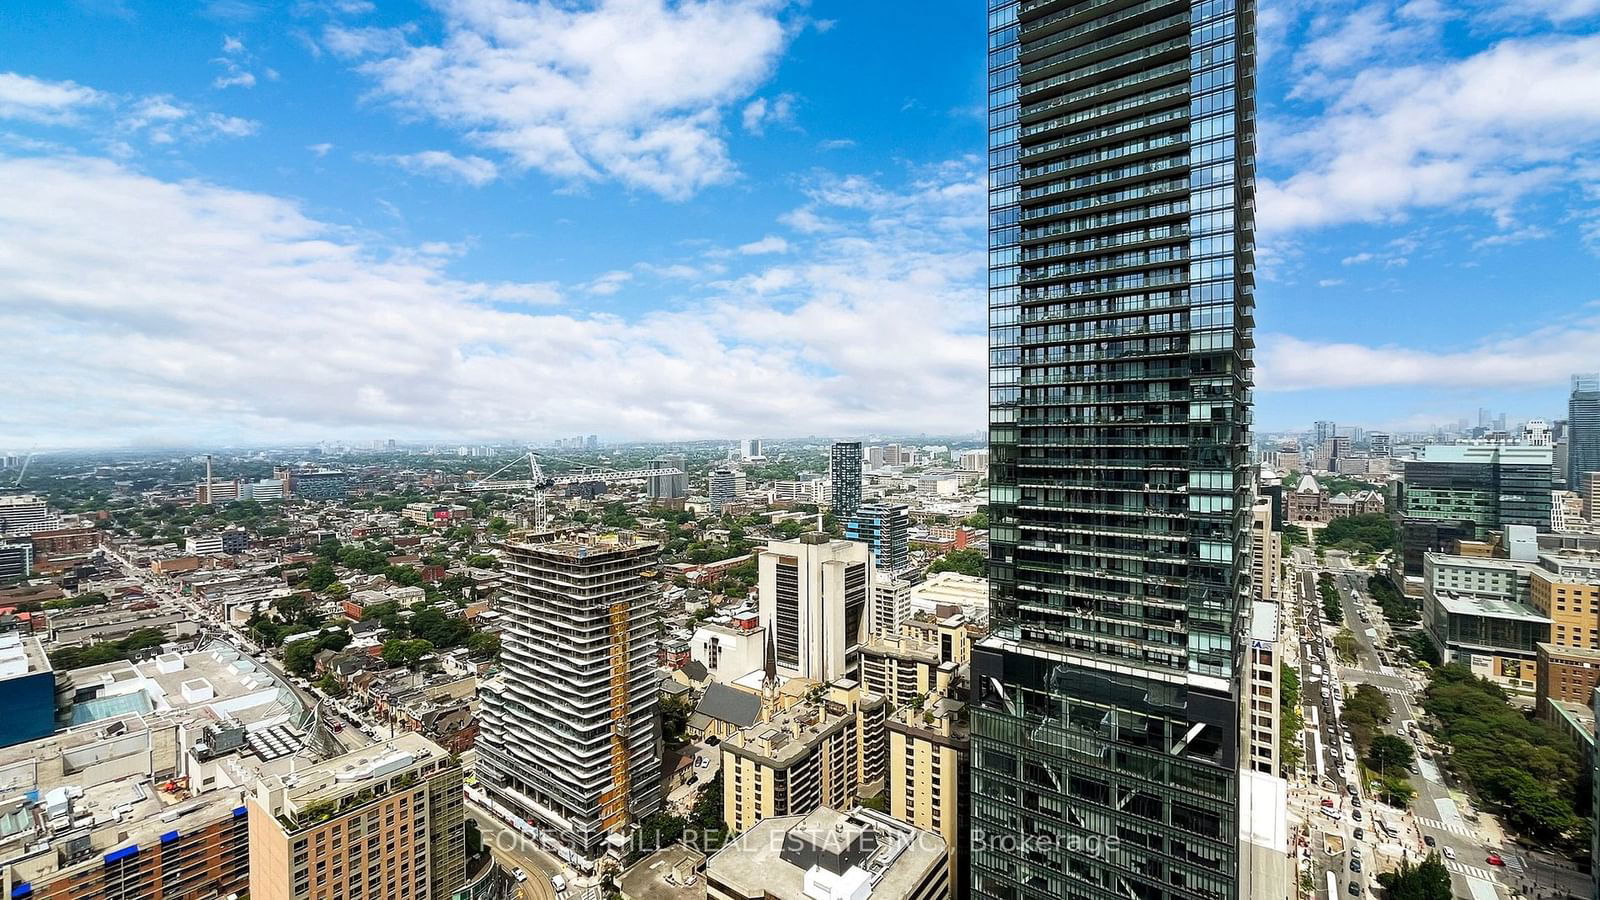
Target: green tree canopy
<point>966,561</point>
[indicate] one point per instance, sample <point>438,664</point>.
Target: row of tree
<point>1523,767</point>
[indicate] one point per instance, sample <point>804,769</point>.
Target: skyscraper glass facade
<point>844,467</point>
<point>1583,429</point>
<point>1121,220</point>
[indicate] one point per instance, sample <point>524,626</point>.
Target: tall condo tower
<point>844,468</point>
<point>570,734</point>
<point>1583,429</point>
<point>1121,217</point>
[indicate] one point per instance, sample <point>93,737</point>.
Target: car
<point>1349,755</point>
<point>1355,852</point>
<point>1352,789</point>
<point>1359,833</point>
<point>1333,814</point>
<point>519,874</point>
<point>1355,889</point>
<point>1494,859</point>
<point>1355,800</point>
<point>1428,839</point>
<point>1449,853</point>
<point>1355,864</point>
<point>1327,802</point>
<point>559,883</point>
<point>1355,815</point>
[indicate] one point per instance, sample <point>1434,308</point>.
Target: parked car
<point>1428,839</point>
<point>1355,864</point>
<point>1355,889</point>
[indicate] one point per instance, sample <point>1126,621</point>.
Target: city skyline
<point>788,249</point>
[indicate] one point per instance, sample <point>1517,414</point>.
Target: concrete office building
<point>322,484</point>
<point>1121,312</point>
<point>1583,427</point>
<point>1380,443</point>
<point>570,732</point>
<point>16,559</point>
<point>844,471</point>
<point>750,448</point>
<point>884,527</point>
<point>813,595</point>
<point>725,486</point>
<point>1266,552</point>
<point>23,514</point>
<point>387,821</point>
<point>975,461</point>
<point>1263,668</point>
<point>830,855</point>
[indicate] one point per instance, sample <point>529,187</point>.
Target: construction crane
<point>538,482</point>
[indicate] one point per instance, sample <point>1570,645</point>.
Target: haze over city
<point>800,450</point>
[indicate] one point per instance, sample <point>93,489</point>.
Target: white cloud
<point>235,62</point>
<point>609,283</point>
<point>1330,282</point>
<point>37,100</point>
<point>628,90</point>
<point>473,170</point>
<point>1476,133</point>
<point>129,303</point>
<point>761,112</point>
<point>320,150</point>
<point>769,244</point>
<point>1536,359</point>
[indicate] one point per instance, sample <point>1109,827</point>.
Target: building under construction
<point>570,735</point>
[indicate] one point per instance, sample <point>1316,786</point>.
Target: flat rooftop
<point>672,873</point>
<point>1263,621</point>
<point>1488,607</point>
<point>218,682</point>
<point>890,859</point>
<point>20,656</point>
<point>582,546</point>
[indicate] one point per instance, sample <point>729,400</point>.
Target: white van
<point>559,883</point>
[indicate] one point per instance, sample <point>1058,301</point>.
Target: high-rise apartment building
<point>813,595</point>
<point>570,735</point>
<point>1121,245</point>
<point>667,487</point>
<point>750,448</point>
<point>385,821</point>
<point>929,750</point>
<point>1381,443</point>
<point>816,753</point>
<point>1583,427</point>
<point>724,486</point>
<point>891,604</point>
<point>884,527</point>
<point>1322,432</point>
<point>844,470</point>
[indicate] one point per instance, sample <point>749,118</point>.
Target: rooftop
<point>672,873</point>
<point>829,854</point>
<point>21,656</point>
<point>1488,607</point>
<point>1263,621</point>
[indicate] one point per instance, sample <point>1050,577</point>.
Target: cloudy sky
<point>338,219</point>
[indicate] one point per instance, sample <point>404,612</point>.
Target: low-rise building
<point>827,854</point>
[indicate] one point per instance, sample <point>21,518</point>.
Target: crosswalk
<point>1437,825</point>
<point>1461,868</point>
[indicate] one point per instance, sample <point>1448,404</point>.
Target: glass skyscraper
<point>1583,430</point>
<point>1106,702</point>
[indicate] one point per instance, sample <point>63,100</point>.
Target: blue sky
<point>234,220</point>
